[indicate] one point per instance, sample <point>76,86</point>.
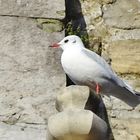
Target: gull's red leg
<point>97,88</point>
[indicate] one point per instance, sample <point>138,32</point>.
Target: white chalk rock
<point>72,97</point>
<point>70,122</point>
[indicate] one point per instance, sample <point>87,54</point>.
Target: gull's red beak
<point>55,45</point>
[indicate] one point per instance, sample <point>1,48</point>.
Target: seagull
<point>84,67</point>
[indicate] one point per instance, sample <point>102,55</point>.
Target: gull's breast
<point>80,67</point>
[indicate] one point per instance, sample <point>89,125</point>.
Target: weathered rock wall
<point>30,72</point>
<point>117,25</point>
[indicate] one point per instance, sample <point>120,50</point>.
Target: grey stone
<point>30,72</point>
<point>126,128</point>
<point>119,34</point>
<point>125,114</point>
<point>91,12</point>
<point>34,8</point>
<point>123,14</point>
<point>119,105</point>
<point>122,41</point>
<point>124,55</point>
<point>123,135</point>
<point>23,132</point>
<point>113,103</point>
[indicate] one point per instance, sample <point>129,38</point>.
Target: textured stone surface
<point>71,121</point>
<point>126,129</point>
<point>123,14</point>
<point>125,56</point>
<point>123,38</point>
<point>123,135</point>
<point>116,34</point>
<point>22,132</point>
<point>124,120</point>
<point>30,75</point>
<point>92,12</point>
<point>29,70</point>
<point>34,8</point>
<point>110,24</point>
<point>72,97</point>
<point>50,25</point>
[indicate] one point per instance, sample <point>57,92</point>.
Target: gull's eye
<point>66,40</point>
<point>74,41</point>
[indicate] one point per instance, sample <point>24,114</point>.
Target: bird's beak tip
<point>55,45</point>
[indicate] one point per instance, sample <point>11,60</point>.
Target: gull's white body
<point>85,67</point>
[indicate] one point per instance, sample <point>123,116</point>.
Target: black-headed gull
<point>85,67</point>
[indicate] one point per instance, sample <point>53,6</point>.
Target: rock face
<point>123,119</point>
<point>22,132</point>
<point>124,23</point>
<point>31,74</point>
<point>123,14</point>
<point>30,71</point>
<point>28,67</point>
<point>35,8</point>
<point>117,25</point>
<point>125,56</point>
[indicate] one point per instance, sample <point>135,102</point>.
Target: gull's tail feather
<point>130,98</point>
<point>138,94</point>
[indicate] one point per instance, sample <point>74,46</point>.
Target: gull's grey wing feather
<point>114,78</point>
<point>95,57</point>
<point>122,90</point>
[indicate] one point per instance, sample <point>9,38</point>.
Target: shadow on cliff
<point>75,24</point>
<point>75,20</point>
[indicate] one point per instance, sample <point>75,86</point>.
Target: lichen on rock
<point>50,25</point>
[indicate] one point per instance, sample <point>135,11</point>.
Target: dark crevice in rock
<point>34,123</point>
<point>112,2</point>
<point>49,25</point>
<point>12,120</point>
<point>130,75</point>
<point>125,28</point>
<point>31,17</point>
